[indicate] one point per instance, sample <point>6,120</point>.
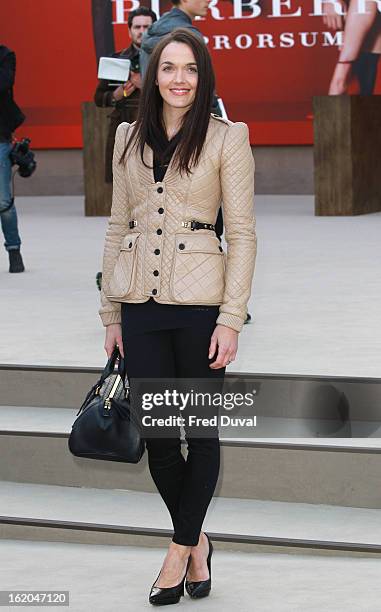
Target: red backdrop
<point>271,89</point>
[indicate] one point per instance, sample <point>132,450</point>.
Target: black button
<point>181,246</point>
<point>159,231</point>
<point>221,249</point>
<point>156,272</point>
<point>157,251</point>
<point>160,190</point>
<point>154,291</point>
<point>160,210</point>
<point>130,245</point>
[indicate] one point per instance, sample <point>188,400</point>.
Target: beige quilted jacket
<point>148,250</point>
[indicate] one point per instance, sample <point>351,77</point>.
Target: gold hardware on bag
<point>112,392</point>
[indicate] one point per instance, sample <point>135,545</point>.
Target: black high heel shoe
<point>201,588</point>
<point>160,596</point>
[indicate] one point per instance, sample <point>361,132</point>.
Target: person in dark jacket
<point>10,118</point>
<point>179,17</point>
<point>124,98</point>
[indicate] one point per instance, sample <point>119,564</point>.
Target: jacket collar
<point>129,52</point>
<point>146,175</point>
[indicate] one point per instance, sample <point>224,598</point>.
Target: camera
<point>21,155</point>
<point>135,64</point>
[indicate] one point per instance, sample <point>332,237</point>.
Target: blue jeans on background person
<point>9,217</point>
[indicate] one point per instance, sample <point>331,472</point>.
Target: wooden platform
<point>347,156</point>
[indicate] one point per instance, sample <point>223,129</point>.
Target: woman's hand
<point>113,337</point>
<point>226,339</point>
<point>331,19</point>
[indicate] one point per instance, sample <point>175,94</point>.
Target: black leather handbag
<point>106,426</point>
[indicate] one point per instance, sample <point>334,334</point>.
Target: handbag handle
<point>108,370</point>
<point>110,366</point>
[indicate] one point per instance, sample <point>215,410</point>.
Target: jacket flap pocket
<point>198,243</point>
<point>129,241</point>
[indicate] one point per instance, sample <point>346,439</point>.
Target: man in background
<point>124,98</point>
<point>10,118</point>
<point>181,16</point>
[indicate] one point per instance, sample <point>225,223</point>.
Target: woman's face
<point>177,75</point>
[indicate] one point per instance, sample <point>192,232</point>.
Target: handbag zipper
<point>112,392</point>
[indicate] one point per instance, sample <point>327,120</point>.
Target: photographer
<point>124,98</point>
<point>10,118</point>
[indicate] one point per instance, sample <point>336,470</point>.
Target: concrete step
<point>258,582</point>
<point>28,420</point>
<point>342,399</point>
<point>234,521</point>
<point>344,471</point>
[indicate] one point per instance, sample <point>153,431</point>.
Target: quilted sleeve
<point>237,185</point>
<point>117,229</point>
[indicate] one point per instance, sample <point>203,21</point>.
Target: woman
<point>360,53</point>
<point>172,300</point>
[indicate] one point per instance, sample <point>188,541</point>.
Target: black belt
<point>194,225</point>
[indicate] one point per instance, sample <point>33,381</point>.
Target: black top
<point>163,149</point>
<point>10,114</point>
<point>151,315</point>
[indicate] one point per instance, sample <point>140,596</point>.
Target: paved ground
<point>315,299</point>
<point>118,579</point>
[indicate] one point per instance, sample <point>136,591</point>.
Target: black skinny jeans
<point>186,486</point>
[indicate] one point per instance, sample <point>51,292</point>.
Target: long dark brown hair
<point>149,123</point>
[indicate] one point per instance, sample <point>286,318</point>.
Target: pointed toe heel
<point>201,588</point>
<point>161,596</point>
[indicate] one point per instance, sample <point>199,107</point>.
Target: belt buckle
<point>191,224</point>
